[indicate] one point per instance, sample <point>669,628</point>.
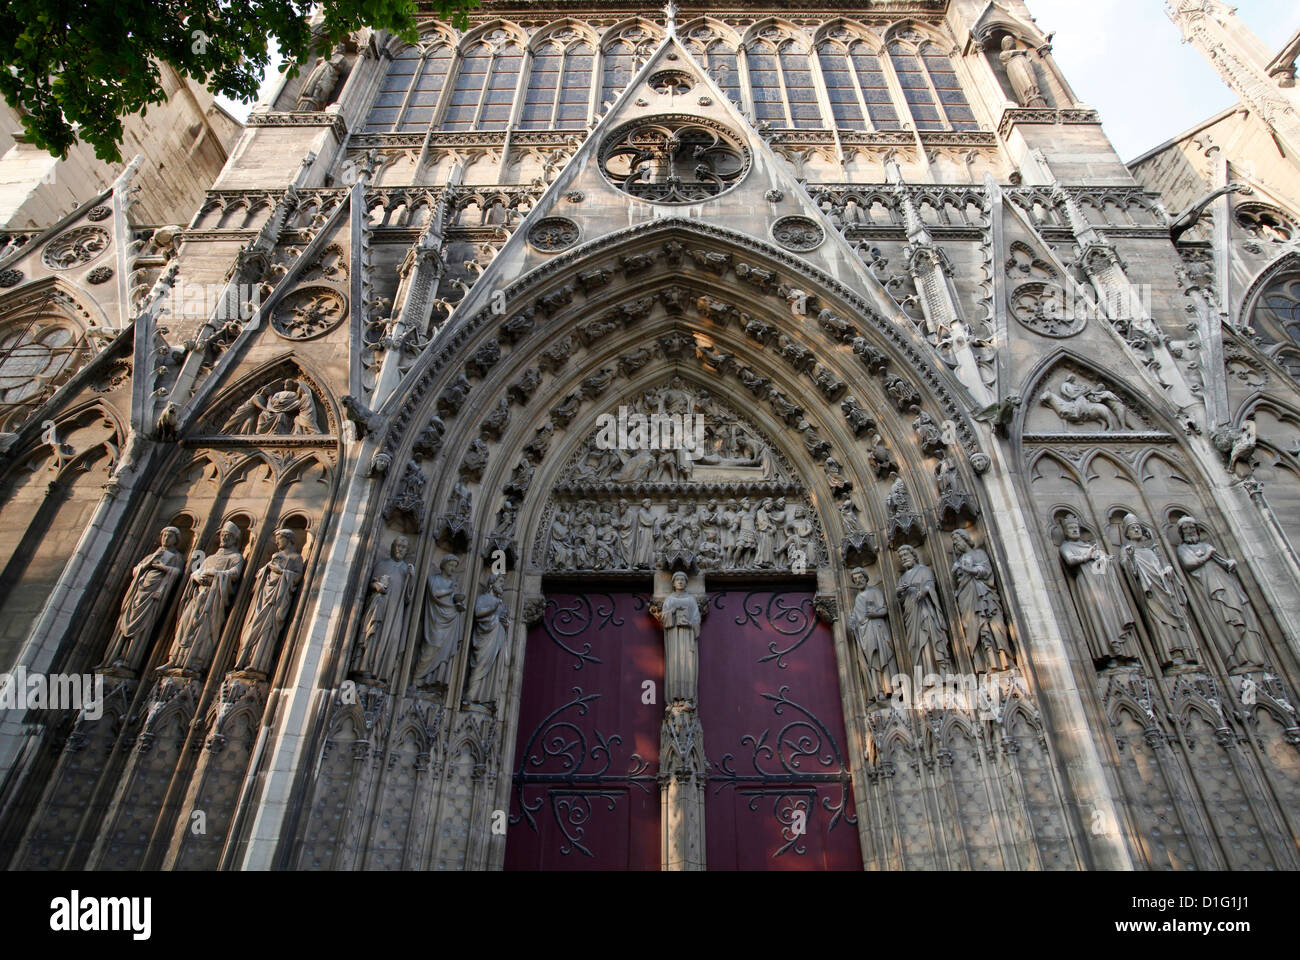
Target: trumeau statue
<point>392,583</point>
<point>923,626</point>
<point>1108,621</point>
<point>1021,74</point>
<point>979,609</point>
<point>680,618</point>
<point>273,592</point>
<point>206,603</point>
<point>443,606</point>
<point>1160,594</point>
<point>145,602</point>
<point>868,623</point>
<point>490,628</point>
<point>1236,633</point>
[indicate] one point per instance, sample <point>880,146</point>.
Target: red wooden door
<point>774,737</point>
<point>585,795</point>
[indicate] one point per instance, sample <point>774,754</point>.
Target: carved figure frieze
<point>281,408</point>
<point>957,504</point>
<point>1076,402</point>
<point>903,524</point>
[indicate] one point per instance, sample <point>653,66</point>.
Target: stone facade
<point>298,479</point>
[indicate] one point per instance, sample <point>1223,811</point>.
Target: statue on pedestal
<point>868,624</point>
<point>1108,622</point>
<point>1237,634</point>
<point>206,603</point>
<point>144,603</point>
<point>443,606</point>
<point>273,592</point>
<point>392,583</point>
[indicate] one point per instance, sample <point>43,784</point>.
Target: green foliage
<point>74,68</point>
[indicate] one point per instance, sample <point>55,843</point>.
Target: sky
<point>1110,48</point>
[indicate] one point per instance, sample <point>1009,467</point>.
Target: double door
<point>586,793</point>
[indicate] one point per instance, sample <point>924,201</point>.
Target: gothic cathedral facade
<point>741,436</point>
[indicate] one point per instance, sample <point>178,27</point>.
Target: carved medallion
<point>798,233</point>
<point>308,313</point>
<point>1043,308</point>
<point>552,234</point>
<point>100,275</point>
<point>75,247</point>
<point>10,278</point>
<point>98,213</point>
<point>674,158</point>
<point>671,82</point>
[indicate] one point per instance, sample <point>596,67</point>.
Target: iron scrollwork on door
<point>777,770</point>
<point>562,738</point>
<point>791,616</point>
<point>772,714</point>
<point>585,792</point>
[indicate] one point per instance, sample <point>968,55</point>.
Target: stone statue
<point>643,537</point>
<point>443,606</point>
<point>1107,619</point>
<point>491,626</point>
<point>291,409</point>
<point>246,417</point>
<point>145,602</point>
<point>746,536</point>
<point>868,624</point>
<point>273,592</point>
<point>318,89</point>
<point>1237,634</point>
<point>1020,72</point>
<point>392,584</point>
<point>206,603</point>
<point>764,532</point>
<point>979,609</point>
<point>1079,403</point>
<point>923,624</point>
<point>680,618</point>
<point>624,527</point>
<point>1160,595</point>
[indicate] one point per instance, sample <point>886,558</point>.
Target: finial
<point>670,18</point>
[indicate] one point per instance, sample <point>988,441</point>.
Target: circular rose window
<point>674,159</point>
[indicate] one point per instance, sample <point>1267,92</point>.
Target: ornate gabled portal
<point>810,428</point>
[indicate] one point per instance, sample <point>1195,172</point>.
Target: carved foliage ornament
<point>798,233</point>
<point>75,247</point>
